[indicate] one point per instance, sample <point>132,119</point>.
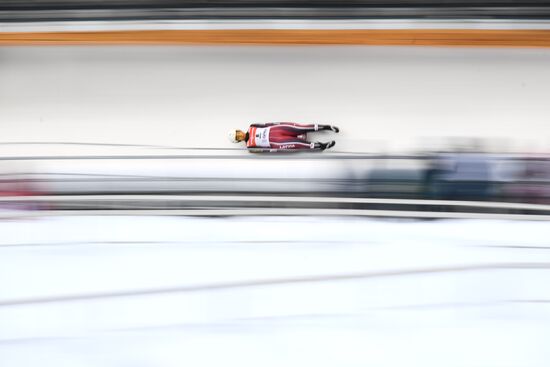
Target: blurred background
<point>133,232</point>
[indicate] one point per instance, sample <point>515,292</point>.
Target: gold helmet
<point>232,135</point>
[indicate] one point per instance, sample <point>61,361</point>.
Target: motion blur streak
<point>133,233</point>
<point>442,282</point>
<point>417,123</point>
<point>271,282</point>
<point>424,37</point>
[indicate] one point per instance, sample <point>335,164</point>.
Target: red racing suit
<point>280,136</point>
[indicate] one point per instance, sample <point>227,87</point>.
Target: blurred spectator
<point>530,183</point>
<point>14,187</point>
<point>15,182</point>
<point>395,183</point>
<point>459,176</point>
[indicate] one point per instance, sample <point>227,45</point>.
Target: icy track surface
<point>146,291</point>
<point>385,99</point>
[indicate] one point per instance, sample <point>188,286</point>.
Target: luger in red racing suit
<point>276,136</point>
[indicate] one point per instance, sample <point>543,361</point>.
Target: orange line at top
<point>425,37</point>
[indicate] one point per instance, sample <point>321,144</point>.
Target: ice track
<point>385,99</point>
<point>91,291</point>
<point>174,291</point>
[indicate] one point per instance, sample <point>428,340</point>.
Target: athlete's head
<point>236,136</point>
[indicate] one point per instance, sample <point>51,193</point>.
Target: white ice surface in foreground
<point>485,301</point>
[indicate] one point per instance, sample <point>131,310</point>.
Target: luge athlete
<point>281,136</point>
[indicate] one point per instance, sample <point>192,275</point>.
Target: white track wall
<point>383,98</point>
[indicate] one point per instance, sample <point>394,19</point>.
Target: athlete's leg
<point>299,144</point>
<point>329,127</point>
<point>294,129</point>
<point>285,142</point>
<point>289,129</point>
<point>294,145</point>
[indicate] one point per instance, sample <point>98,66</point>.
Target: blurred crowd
<point>473,176</point>
<point>460,175</point>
